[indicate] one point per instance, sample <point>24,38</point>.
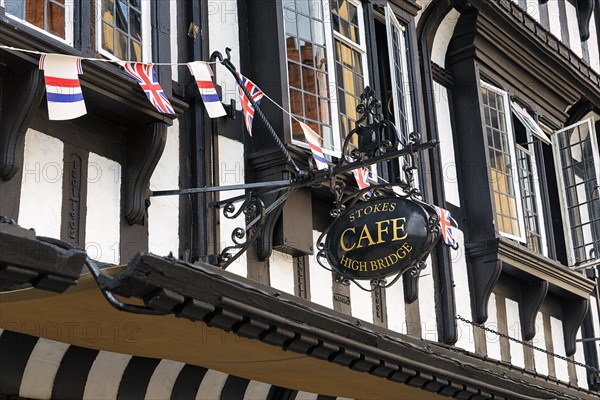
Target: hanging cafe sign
<point>379,238</point>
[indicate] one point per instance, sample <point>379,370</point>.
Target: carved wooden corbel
<point>483,275</point>
<point>573,312</point>
<point>532,296</point>
<point>144,147</point>
<point>264,243</point>
<point>21,91</point>
<point>411,288</point>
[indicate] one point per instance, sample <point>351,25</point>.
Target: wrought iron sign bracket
<point>368,144</point>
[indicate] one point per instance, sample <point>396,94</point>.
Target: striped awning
<point>38,368</point>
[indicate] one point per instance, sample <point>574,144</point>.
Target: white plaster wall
<point>281,271</point>
<point>173,38</point>
<point>231,172</point>
<point>224,32</point>
<point>539,340</point>
<point>533,9</point>
<point>427,304</point>
<point>574,38</point>
<point>321,289</point>
<point>443,37</point>
<point>444,126</point>
<point>554,17</point>
<point>462,294</point>
<point>492,340</point>
<point>558,341</point>
<point>396,308</point>
<point>163,213</point>
<point>517,357</point>
<point>361,302</point>
<point>423,4</point>
<point>595,318</point>
<point>102,225</point>
<point>579,356</point>
<point>41,186</point>
<point>593,49</point>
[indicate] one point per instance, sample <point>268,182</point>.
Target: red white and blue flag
<point>313,142</point>
<point>362,175</point>
<point>145,75</point>
<point>447,226</point>
<point>63,90</point>
<point>247,107</point>
<point>203,75</point>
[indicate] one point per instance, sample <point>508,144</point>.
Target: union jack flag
<point>447,225</point>
<point>247,107</point>
<point>145,75</point>
<point>361,174</point>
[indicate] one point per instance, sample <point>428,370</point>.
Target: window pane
<point>108,39</point>
<point>122,16</point>
<point>108,11</point>
<point>294,75</point>
<point>15,7</point>
<point>135,25</point>
<point>304,28</point>
<point>135,51</point>
<point>293,51</point>
<point>121,45</point>
<point>56,19</point>
<point>34,12</point>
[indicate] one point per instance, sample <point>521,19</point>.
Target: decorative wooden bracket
<point>573,313</point>
<point>483,275</point>
<point>264,243</point>
<point>145,145</point>
<point>21,91</point>
<point>532,296</point>
<point>411,288</point>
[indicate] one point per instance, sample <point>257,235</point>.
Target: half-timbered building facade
<point>510,89</point>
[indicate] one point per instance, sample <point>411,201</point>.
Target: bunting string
<point>107,60</point>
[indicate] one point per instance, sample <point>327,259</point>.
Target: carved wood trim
<point>532,296</point>
<point>144,147</point>
<point>411,288</point>
<point>483,275</point>
<point>573,313</point>
<point>21,92</point>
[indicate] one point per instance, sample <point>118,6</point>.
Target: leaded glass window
<point>501,155</point>
<point>121,28</point>
<point>578,171</point>
<point>529,193</point>
<point>308,74</point>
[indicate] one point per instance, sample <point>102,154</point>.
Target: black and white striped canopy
<point>37,368</point>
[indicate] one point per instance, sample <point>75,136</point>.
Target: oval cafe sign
<point>378,238</point>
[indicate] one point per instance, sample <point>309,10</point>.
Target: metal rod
<point>597,339</point>
<point>231,68</point>
<point>208,189</point>
<point>324,175</point>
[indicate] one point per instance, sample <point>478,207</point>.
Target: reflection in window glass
<point>529,197</point>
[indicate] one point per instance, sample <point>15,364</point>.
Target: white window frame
<point>69,23</point>
<point>590,120</point>
<point>515,173</point>
<point>538,198</point>
<point>146,30</point>
<point>392,22</point>
<point>330,34</point>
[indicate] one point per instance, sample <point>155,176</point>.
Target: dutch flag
<point>203,75</point>
<point>63,91</point>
